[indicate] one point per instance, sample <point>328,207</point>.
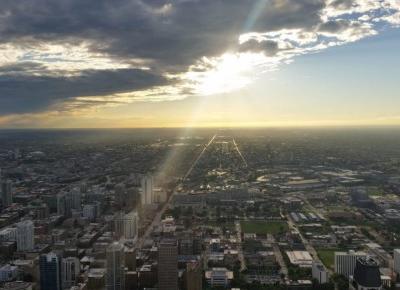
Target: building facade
<point>168,264</point>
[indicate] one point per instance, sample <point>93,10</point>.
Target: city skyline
<point>261,63</point>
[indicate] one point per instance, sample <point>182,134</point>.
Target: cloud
<point>20,93</point>
<point>75,54</point>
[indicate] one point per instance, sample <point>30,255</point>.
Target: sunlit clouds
<point>76,58</point>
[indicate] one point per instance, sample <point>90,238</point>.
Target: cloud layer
<point>79,54</point>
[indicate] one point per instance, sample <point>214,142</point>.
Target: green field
<point>327,256</point>
<point>263,228</point>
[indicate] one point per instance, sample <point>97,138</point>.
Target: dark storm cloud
<point>29,93</point>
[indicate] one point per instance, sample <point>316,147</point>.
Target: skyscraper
<point>147,189</point>
<point>194,276</point>
<point>64,204</point>
<point>6,193</point>
<point>168,265</point>
<point>126,225</point>
<point>50,272</point>
<point>115,267</point>
<point>25,236</point>
<point>131,225</point>
<point>130,259</point>
<point>396,266</point>
<point>366,275</point>
<point>70,268</point>
<point>76,197</point>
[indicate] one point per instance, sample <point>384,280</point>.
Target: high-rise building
<point>119,195</point>
<point>345,263</point>
<point>6,193</point>
<point>76,199</point>
<point>131,225</point>
<point>168,265</point>
<point>126,225</point>
<point>115,267</point>
<point>366,275</point>
<point>119,218</point>
<point>25,236</point>
<point>90,211</point>
<point>50,272</point>
<point>147,188</point>
<point>64,204</point>
<point>70,268</point>
<point>130,259</point>
<point>194,276</point>
<point>396,258</point>
<point>319,272</point>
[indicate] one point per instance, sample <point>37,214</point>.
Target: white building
<point>345,263</point>
<point>70,268</point>
<point>300,258</point>
<point>147,190</point>
<point>8,273</point>
<point>219,277</point>
<point>396,266</point>
<point>319,273</point>
<point>25,236</point>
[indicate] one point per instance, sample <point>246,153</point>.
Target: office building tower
<point>130,259</point>
<point>194,276</point>
<point>64,204</point>
<point>70,268</point>
<point>76,199</point>
<point>168,265</point>
<point>115,279</point>
<point>131,280</point>
<point>6,193</point>
<point>147,188</point>
<point>119,218</point>
<point>319,272</point>
<point>119,195</point>
<point>50,272</point>
<point>131,225</point>
<point>25,236</point>
<point>396,258</point>
<point>126,225</point>
<point>90,212</point>
<point>83,188</point>
<point>345,263</point>
<point>366,275</point>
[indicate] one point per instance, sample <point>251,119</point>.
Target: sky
<point>199,63</point>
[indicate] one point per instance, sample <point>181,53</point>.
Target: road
<point>279,257</point>
<point>157,218</point>
<point>309,247</point>
<point>199,157</point>
<point>239,237</point>
<point>239,152</point>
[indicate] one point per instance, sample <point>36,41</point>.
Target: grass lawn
<point>263,228</point>
<point>327,256</point>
